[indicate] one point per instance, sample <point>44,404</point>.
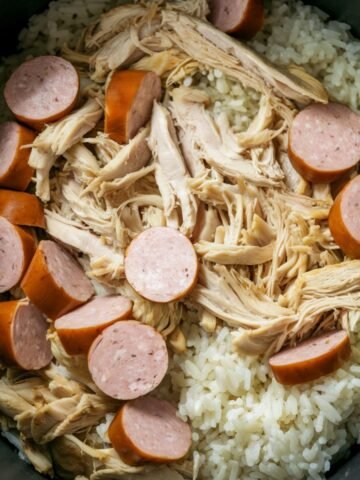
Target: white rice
<point>228,96</point>
<point>301,34</point>
<point>245,425</point>
<point>61,23</point>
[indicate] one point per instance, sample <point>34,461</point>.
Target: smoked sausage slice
<point>148,429</point>
<point>78,329</point>
<point>23,339</point>
<point>129,100</point>
<point>344,219</point>
<point>161,265</point>
<point>241,17</point>
<point>324,142</point>
<point>311,359</point>
<point>17,248</point>
<point>15,172</point>
<point>55,281</point>
<point>128,360</point>
<point>22,208</point>
<point>42,90</point>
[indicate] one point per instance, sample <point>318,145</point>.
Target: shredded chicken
<point>162,63</point>
<point>75,457</point>
<point>81,163</point>
<point>123,17</point>
<point>124,182</point>
<point>218,153</point>
<point>87,209</point>
<point>204,42</point>
<point>110,23</point>
<point>235,254</point>
<point>171,168</point>
<point>42,416</point>
<point>330,281</point>
<point>165,318</point>
<point>103,259</point>
<point>105,148</point>
<point>206,223</point>
<point>56,139</point>
<point>126,47</point>
<point>130,158</point>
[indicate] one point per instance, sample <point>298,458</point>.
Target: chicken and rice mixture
<point>270,272</point>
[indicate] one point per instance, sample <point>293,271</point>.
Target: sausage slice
<point>161,265</point>
<point>23,339</point>
<point>55,281</point>
<point>311,359</point>
<point>324,142</point>
<point>15,172</point>
<point>128,360</point>
<point>148,429</point>
<point>17,248</point>
<point>22,209</point>
<point>78,329</point>
<point>129,100</point>
<point>344,219</point>
<point>42,90</point>
<point>242,17</point>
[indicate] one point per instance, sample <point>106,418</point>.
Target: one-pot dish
<point>180,241</point>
